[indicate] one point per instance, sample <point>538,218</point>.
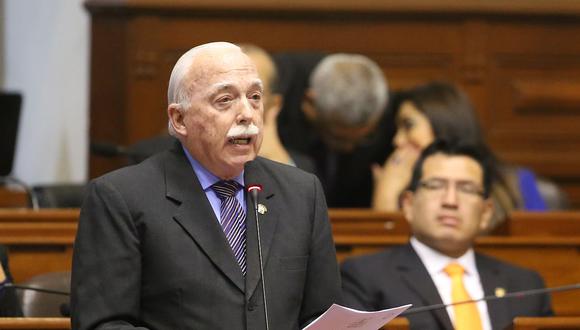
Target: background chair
<point>60,195</point>
<point>555,198</point>
<point>41,304</point>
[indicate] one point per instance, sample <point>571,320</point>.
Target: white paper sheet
<point>342,318</point>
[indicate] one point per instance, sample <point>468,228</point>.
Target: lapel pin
<point>262,209</point>
<point>499,292</point>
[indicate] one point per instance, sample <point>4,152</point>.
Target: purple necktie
<point>233,219</point>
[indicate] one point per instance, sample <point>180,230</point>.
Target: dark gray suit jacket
<point>150,252</point>
<point>397,276</point>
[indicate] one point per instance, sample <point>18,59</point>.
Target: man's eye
<point>224,99</point>
<point>256,96</point>
<point>434,184</point>
<point>469,188</point>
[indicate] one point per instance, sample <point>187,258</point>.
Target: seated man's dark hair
<point>477,152</point>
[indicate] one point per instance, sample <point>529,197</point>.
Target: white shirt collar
<point>205,177</point>
<point>435,261</point>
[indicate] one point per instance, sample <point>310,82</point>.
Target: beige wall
<point>2,44</point>
<point>48,63</point>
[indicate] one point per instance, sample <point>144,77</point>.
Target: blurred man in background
<point>335,112</point>
<point>447,206</point>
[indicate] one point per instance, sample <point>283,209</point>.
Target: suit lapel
<point>268,221</point>
<point>491,280</point>
<point>196,216</point>
<point>415,276</point>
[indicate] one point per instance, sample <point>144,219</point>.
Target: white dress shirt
<point>435,262</point>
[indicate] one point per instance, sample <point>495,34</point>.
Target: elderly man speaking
<point>171,243</point>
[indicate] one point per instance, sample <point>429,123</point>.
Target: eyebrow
<point>216,88</point>
<point>219,87</point>
<point>257,83</point>
<point>447,179</point>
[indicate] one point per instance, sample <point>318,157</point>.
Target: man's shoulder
<point>387,258</point>
<point>280,170</point>
<point>143,172</point>
<point>508,269</point>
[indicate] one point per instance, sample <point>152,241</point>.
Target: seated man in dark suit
<point>171,243</point>
<point>447,205</point>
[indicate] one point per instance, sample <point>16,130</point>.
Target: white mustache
<point>243,130</point>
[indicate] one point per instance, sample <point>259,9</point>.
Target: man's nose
<point>450,196</point>
<point>246,112</point>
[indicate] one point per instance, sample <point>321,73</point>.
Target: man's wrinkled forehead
<point>222,69</point>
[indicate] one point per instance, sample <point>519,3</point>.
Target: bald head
<point>215,107</point>
<point>193,66</point>
<point>177,92</point>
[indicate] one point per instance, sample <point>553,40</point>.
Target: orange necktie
<point>466,315</point>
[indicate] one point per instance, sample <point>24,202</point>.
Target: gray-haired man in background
<point>335,112</point>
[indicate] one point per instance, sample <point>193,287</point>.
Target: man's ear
<point>176,118</point>
<point>407,201</point>
<point>308,106</point>
<point>486,214</point>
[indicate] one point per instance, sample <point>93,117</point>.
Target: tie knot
<point>454,269</point>
<point>226,188</point>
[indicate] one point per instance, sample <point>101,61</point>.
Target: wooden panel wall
<point>518,60</point>
<point>42,241</point>
<point>38,241</point>
<point>35,323</point>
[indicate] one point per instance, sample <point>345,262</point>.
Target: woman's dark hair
<point>449,111</point>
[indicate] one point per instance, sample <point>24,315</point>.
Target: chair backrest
<point>60,195</point>
<point>555,198</point>
<point>40,304</point>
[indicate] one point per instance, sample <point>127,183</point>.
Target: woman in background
<point>439,110</point>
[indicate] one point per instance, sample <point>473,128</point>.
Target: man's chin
<point>241,160</point>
